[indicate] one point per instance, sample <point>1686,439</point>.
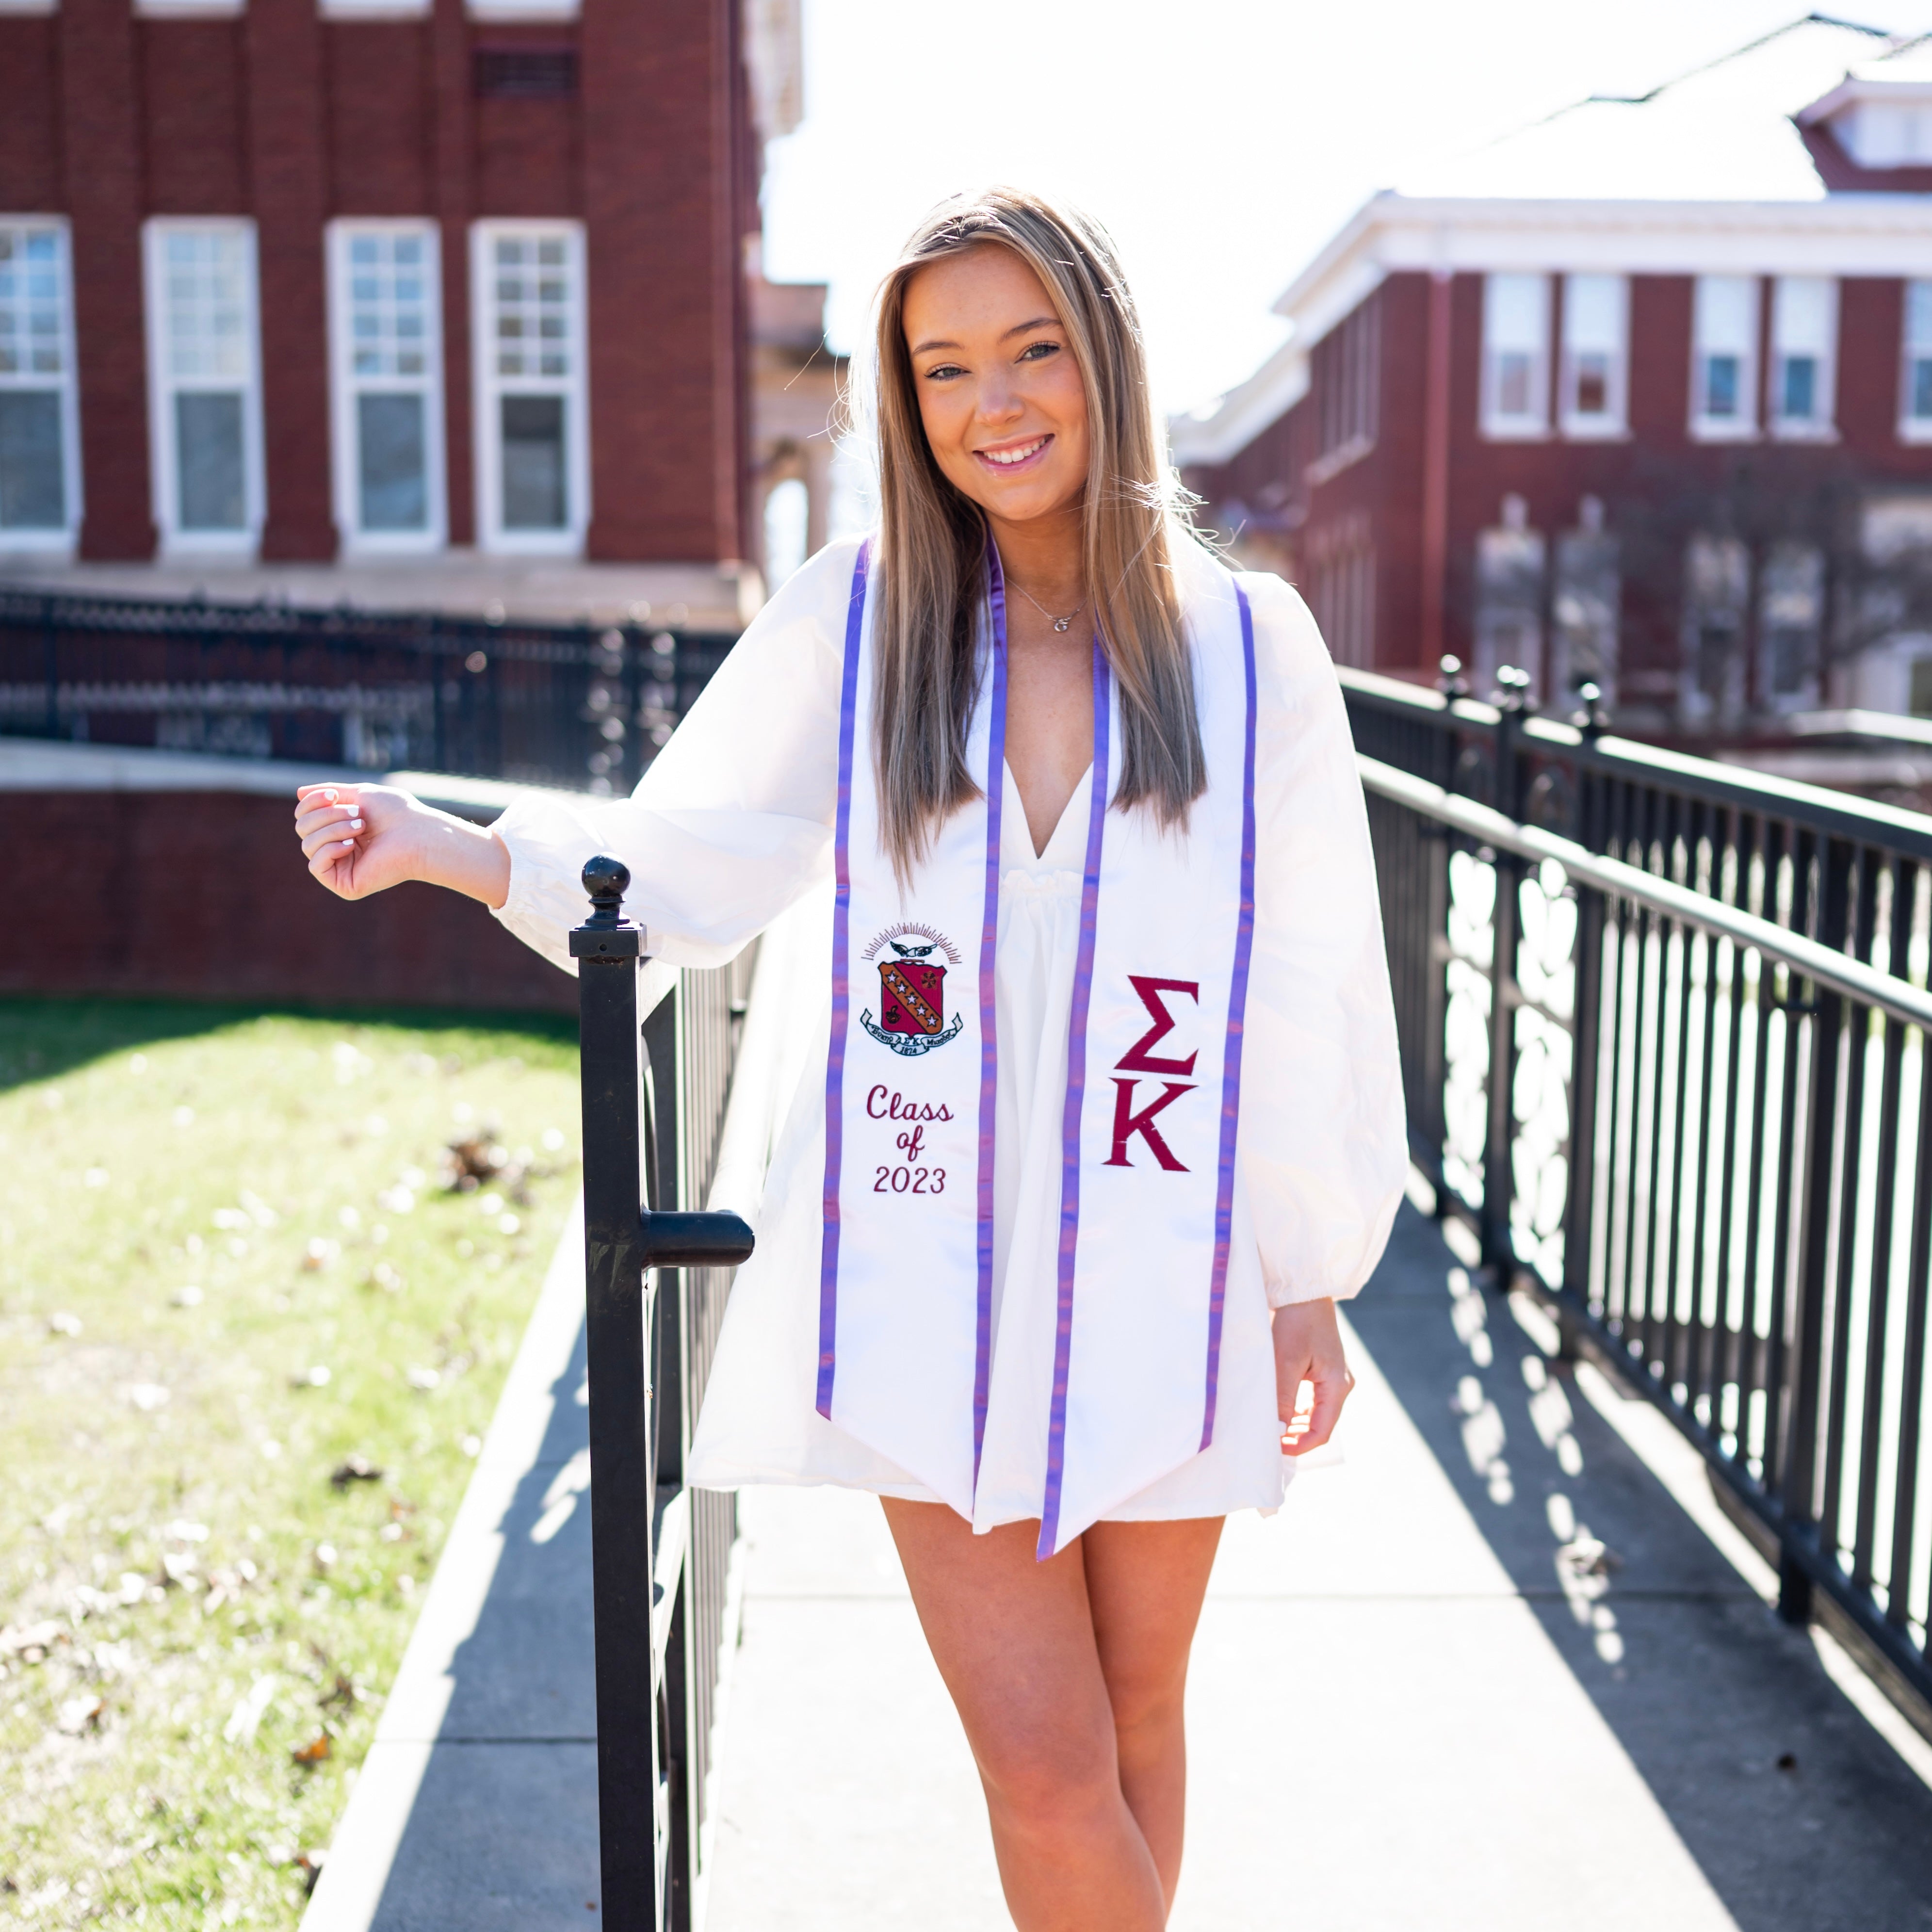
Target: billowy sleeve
<point>1324,1132</point>
<point>733,821</point>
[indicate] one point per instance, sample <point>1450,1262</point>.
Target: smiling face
<point>1000,392</point>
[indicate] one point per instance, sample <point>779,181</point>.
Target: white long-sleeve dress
<point>732,825</point>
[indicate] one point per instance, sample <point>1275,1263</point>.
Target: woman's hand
<point>363,838</point>
<point>1308,1348</point>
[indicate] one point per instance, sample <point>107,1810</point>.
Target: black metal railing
<point>657,1272</point>
<point>579,706</point>
<point>1664,1030</point>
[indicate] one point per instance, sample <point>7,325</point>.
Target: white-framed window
<point>385,356</point>
<point>1516,355</point>
<point>1791,627</point>
<point>1594,374</point>
<point>1723,358</point>
<point>1717,604</point>
<point>204,383</point>
<point>1803,354</point>
<point>532,467</point>
<point>1914,409</point>
<point>39,430</point>
<point>1510,560</point>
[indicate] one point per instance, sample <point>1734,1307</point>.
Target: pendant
<point>1061,623</point>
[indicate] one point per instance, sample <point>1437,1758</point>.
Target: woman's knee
<point>1147,1701</point>
<point>1048,1778</point>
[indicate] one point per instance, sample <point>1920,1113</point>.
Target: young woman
<point>1104,1113</point>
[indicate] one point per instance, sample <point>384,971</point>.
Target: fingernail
<point>356,825</point>
<point>330,796</point>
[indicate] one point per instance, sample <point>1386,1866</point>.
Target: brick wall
<point>280,116</point>
<point>203,896</point>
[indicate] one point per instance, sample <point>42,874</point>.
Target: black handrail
<point>1667,1048</point>
<point>657,1559</point>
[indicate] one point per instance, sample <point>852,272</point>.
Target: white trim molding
<point>204,344</point>
<point>36,359</point>
<point>385,347</point>
<point>528,339</point>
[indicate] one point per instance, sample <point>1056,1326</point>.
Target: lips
<point>1012,457</point>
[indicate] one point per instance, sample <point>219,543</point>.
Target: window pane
<point>1918,315</point>
<point>1921,387</point>
<point>1801,313</point>
<point>390,454</point>
<point>1518,312</point>
<point>533,485</point>
<point>1593,312</point>
<point>33,488</point>
<point>207,322</point>
<point>1721,386</point>
<point>208,444</point>
<point>1593,383</point>
<point>1512,370</point>
<point>1799,402</point>
<point>1727,312</point>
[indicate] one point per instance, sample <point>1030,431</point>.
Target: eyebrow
<point>1018,328</point>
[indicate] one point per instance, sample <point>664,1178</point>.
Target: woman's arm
<point>363,838</point>
<point>1324,1132</point>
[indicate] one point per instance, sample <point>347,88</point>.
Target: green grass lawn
<point>250,1339</point>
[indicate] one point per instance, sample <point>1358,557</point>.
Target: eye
<point>1038,352</point>
<point>943,372</point>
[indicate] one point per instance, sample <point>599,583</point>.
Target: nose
<point>999,401</point>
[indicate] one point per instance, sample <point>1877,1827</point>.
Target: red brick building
<point>410,301</point>
<point>1643,394</point>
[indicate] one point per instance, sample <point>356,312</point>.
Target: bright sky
<point>1222,145</point>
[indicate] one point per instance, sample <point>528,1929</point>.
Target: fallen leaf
<point>355,1469</point>
<point>310,1863</point>
<point>318,1750</point>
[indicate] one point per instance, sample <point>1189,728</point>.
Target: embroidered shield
<point>912,995</point>
<point>912,992</point>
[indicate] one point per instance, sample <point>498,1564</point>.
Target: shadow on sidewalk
<point>1800,1815</point>
<point>502,1837</point>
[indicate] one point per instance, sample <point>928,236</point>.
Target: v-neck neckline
<point>1040,857</point>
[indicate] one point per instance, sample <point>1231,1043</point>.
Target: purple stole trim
<point>989,1044</point>
<point>1237,1005</point>
<point>841,999</point>
<point>1076,1090</point>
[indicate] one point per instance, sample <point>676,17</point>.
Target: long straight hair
<point>932,539</point>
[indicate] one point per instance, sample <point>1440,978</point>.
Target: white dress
<point>732,825</point>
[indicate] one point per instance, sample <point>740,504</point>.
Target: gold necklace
<point>1058,623</point>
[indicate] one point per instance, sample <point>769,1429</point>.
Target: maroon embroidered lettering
<point>1137,1059</point>
<point>1127,1123</point>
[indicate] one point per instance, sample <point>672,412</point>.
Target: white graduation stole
<point>1152,1100</point>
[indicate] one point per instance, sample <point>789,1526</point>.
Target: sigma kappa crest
<point>912,990</point>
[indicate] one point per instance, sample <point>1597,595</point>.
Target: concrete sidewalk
<point>1422,1695</point>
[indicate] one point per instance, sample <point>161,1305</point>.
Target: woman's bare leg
<point>1144,1583</point>
<point>1015,1641</point>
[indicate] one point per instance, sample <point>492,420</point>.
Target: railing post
<point>1499,1138</point>
<point>1585,1043</point>
<point>1800,1496</point>
<point>607,949</point>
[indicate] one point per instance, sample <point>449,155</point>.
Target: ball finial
<point>606,879</point>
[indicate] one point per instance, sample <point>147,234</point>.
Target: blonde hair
<point>931,568</point>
